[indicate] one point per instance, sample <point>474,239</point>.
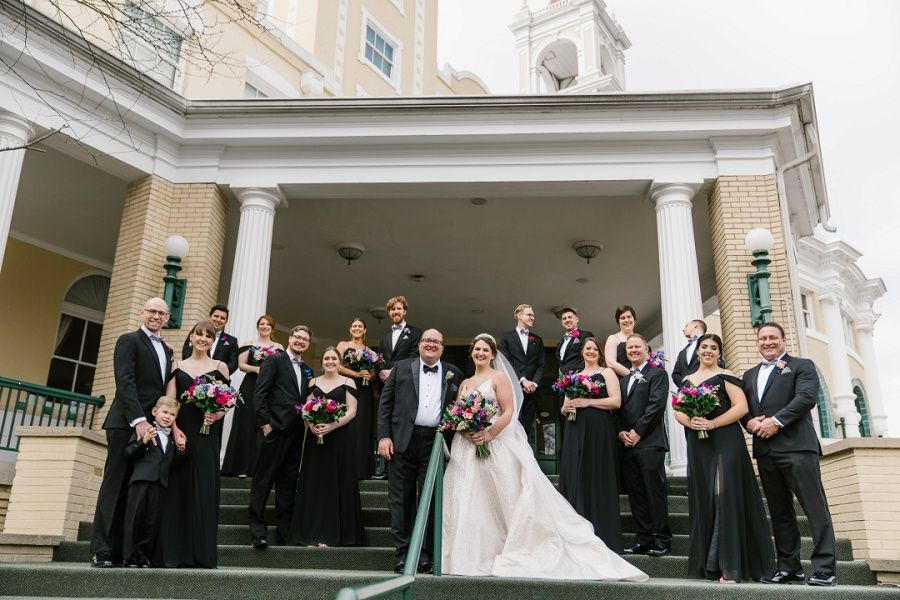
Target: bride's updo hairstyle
<point>487,339</point>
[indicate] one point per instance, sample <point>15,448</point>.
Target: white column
<point>250,273</point>
<point>865,329</point>
<point>14,132</point>
<point>679,284</point>
<point>841,385</point>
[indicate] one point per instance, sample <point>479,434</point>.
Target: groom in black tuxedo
<point>525,351</point>
<point>141,366</point>
<point>412,403</point>
<point>283,382</point>
<point>781,395</point>
<point>225,347</point>
<point>643,456</point>
<point>401,341</point>
<point>688,361</point>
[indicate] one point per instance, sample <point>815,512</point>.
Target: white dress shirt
<point>298,371</point>
<point>396,330</point>
<point>562,348</point>
<point>689,351</point>
<point>762,376</point>
<point>212,350</point>
<point>523,337</point>
<point>428,413</point>
<point>163,440</point>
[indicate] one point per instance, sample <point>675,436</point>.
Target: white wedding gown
<point>503,517</point>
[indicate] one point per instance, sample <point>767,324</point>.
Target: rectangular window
<point>808,317</point>
<point>251,91</point>
<point>379,52</point>
<point>75,355</point>
<point>149,44</point>
<point>848,333</point>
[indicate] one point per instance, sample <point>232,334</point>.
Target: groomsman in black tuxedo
<point>225,347</point>
<point>525,351</point>
<point>141,366</point>
<point>781,395</point>
<point>568,353</point>
<point>688,361</point>
<point>401,341</point>
<point>283,381</point>
<point>412,403</point>
<point>643,457</point>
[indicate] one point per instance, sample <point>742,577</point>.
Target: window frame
<point>175,60</point>
<point>368,21</point>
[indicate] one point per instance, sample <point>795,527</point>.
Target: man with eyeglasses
<point>412,402</point>
<point>142,362</point>
<point>283,381</point>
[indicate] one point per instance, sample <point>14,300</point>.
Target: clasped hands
<point>762,426</point>
<point>323,428</point>
<point>701,424</point>
<point>478,438</point>
<point>528,387</point>
<point>571,404</point>
<point>629,438</point>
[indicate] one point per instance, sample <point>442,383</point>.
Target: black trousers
<point>783,474</point>
<point>644,473</point>
<point>528,413</point>
<point>406,476</point>
<point>142,515</point>
<point>109,514</point>
<point>277,465</point>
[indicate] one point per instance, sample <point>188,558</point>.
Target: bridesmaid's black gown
<point>622,357</point>
<point>362,429</point>
<point>729,529</point>
<point>589,470</point>
<point>327,508</point>
<point>243,441</point>
<point>191,515</point>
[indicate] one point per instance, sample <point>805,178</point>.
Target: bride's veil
<point>501,363</point>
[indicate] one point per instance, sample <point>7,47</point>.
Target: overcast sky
<point>849,51</point>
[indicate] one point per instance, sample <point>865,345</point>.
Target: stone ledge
<point>848,444</point>
<point>29,539</point>
<point>7,473</point>
<point>61,432</point>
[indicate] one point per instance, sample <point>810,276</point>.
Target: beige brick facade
<point>154,209</point>
<point>737,204</point>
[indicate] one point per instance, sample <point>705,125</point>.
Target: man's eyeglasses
<point>156,313</point>
<point>431,342</point>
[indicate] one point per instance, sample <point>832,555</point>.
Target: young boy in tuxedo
<point>153,454</point>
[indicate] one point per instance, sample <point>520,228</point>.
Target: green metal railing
<point>24,403</point>
<point>402,584</point>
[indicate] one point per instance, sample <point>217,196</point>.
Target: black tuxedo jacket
<point>400,399</point>
<point>277,393</point>
<point>645,407</point>
<point>226,351</point>
<point>139,382</point>
<point>789,396</point>
<point>572,360</point>
<point>407,347</point>
<point>683,368</point>
<point>150,462</point>
<point>529,365</point>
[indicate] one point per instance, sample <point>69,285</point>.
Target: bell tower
<point>569,47</point>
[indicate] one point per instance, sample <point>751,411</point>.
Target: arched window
<point>78,336</point>
<point>823,404</point>
<point>862,407</point>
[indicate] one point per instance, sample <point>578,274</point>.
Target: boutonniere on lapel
<point>530,339</point>
<point>575,335</point>
<point>405,333</point>
<point>782,367</point>
<point>639,377</point>
<point>307,372</point>
<point>449,376</point>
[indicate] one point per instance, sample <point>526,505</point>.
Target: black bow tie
<point>523,331</point>
<point>427,369</point>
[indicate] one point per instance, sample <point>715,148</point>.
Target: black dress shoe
<point>822,579</point>
<point>658,551</point>
<point>260,543</point>
<point>425,567</point>
<point>637,549</point>
<point>399,566</point>
<point>784,577</point>
<point>102,560</point>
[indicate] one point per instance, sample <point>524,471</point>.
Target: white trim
<point>361,92</point>
<point>400,6</point>
<point>267,80</point>
<point>418,75</point>
<point>396,78</point>
<point>106,268</point>
<point>816,335</point>
<point>340,43</point>
<point>81,312</point>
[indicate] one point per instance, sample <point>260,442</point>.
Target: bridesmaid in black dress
<point>589,460</point>
<point>626,318</point>
<point>362,428</point>
<point>729,538</point>
<point>191,506</point>
<point>327,510</point>
<point>243,441</point>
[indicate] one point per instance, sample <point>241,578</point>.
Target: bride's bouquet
<point>211,396</point>
<point>321,411</point>
<point>362,359</point>
<point>470,413</point>
<point>578,385</point>
<point>696,401</point>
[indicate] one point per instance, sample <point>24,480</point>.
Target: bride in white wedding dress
<point>501,515</point>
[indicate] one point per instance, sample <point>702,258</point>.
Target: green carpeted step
<point>67,580</point>
<point>236,514</point>
<point>367,499</point>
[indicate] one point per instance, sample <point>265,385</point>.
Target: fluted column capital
<point>267,199</point>
<point>14,130</point>
<point>666,194</point>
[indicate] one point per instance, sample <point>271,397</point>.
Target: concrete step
<point>381,559</point>
<point>374,499</point>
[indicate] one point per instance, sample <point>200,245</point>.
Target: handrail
<point>23,403</point>
<point>402,584</point>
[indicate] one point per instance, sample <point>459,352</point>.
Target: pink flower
<point>575,334</point>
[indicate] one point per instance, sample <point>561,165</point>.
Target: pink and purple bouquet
<point>577,385</point>
<point>211,396</point>
<point>321,411</point>
<point>657,359</point>
<point>696,401</point>
<point>470,413</point>
<point>259,354</point>
<point>362,359</point>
